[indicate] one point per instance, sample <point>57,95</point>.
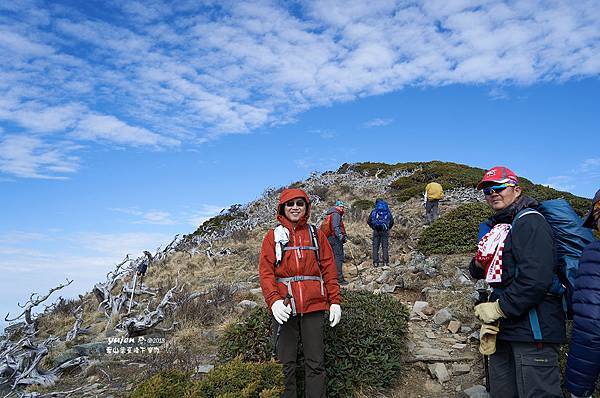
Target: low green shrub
<point>449,175</point>
<point>237,379</point>
<point>219,222</point>
<point>365,349</point>
<point>455,232</point>
<point>542,192</point>
<point>363,204</point>
<point>165,384</point>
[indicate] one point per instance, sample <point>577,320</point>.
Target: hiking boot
<point>343,282</point>
<point>375,264</point>
<point>386,264</point>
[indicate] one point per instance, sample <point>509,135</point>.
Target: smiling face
<point>499,200</point>
<point>295,209</point>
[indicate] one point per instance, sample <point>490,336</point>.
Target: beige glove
<point>489,312</point>
<point>487,338</point>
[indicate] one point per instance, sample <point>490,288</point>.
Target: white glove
<point>335,313</point>
<point>281,312</point>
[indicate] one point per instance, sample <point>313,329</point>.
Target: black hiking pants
<point>307,328</point>
<point>381,238</point>
<point>338,253</point>
<point>432,211</point>
<point>522,370</point>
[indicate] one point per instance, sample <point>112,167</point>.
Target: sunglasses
<point>496,188</point>
<point>298,203</point>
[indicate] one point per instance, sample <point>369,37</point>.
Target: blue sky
<point>123,124</point>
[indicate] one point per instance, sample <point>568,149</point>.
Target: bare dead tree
<point>76,329</point>
<point>136,326</point>
<point>20,361</point>
<point>34,300</point>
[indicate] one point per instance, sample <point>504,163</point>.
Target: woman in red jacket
<point>299,282</point>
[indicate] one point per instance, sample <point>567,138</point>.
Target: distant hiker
<point>143,265</point>
<point>433,194</point>
<point>299,283</point>
<point>381,221</point>
<point>517,258</point>
<point>583,362</point>
<point>333,227</point>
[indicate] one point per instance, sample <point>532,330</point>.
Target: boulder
<point>419,306</point>
<point>442,317</point>
<point>477,391</point>
<point>439,371</point>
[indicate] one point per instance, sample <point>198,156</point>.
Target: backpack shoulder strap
<point>523,213</point>
<point>315,242</point>
<point>534,322</point>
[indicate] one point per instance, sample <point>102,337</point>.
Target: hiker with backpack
<point>583,362</point>
<point>433,194</point>
<point>517,258</point>
<point>335,231</point>
<point>381,221</point>
<point>299,283</point>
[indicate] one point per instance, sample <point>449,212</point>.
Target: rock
<point>430,335</point>
<point>427,352</point>
<point>429,310</point>
<point>442,316</point>
<point>419,306</point>
<point>474,336</point>
<point>439,371</point>
<point>447,283</point>
<point>477,391</point>
<point>459,346</point>
<point>385,288</point>
<point>466,329</point>
<point>256,291</point>
<point>204,368</point>
<point>454,326</point>
<point>247,304</point>
<point>460,368</point>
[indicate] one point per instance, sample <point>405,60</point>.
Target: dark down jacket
<point>583,364</point>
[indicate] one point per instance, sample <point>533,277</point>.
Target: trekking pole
<point>354,261</point>
<point>286,302</point>
<point>132,292</point>
<point>486,370</point>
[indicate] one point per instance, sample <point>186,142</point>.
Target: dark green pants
<point>522,370</point>
<point>307,328</point>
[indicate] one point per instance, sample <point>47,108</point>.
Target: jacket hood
<point>508,214</point>
<point>289,194</point>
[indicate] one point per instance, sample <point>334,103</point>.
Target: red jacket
<point>307,294</point>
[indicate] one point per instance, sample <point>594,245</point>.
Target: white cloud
<point>185,74</point>
<point>562,183</point>
<point>109,128</point>
<point>378,122</point>
<point>30,157</point>
<point>591,166</point>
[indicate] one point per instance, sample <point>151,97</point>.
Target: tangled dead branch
<point>140,325</point>
<point>34,300</point>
